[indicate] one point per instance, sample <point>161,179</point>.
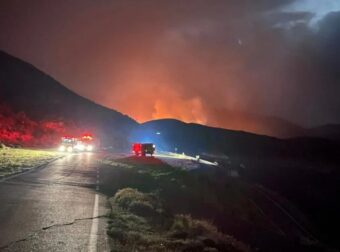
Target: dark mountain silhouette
<point>195,139</point>
<point>24,88</point>
<point>170,134</point>
<point>269,125</point>
<point>329,131</point>
<point>259,124</point>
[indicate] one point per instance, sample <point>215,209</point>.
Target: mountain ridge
<point>24,88</point>
<point>50,100</point>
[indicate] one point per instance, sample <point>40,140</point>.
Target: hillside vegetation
<point>19,129</point>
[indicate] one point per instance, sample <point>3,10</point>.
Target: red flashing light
<point>87,136</point>
<point>68,137</point>
<point>137,148</point>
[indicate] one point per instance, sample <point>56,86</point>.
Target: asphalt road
<point>56,208</point>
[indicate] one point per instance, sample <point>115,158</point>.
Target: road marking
<point>94,227</point>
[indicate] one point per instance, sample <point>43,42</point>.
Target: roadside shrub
<point>138,223</point>
<point>142,209</point>
<point>118,234</point>
<point>125,197</point>
<point>193,227</point>
<point>141,204</point>
<point>127,221</point>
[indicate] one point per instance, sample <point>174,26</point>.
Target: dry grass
<point>152,227</point>
<point>15,160</point>
<point>186,192</point>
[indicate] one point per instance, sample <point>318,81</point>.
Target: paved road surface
<point>56,208</point>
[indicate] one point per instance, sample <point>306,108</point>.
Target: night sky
<point>193,60</point>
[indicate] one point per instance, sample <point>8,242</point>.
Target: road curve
<point>57,208</point>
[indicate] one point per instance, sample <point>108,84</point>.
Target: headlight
<point>89,148</point>
<point>80,147</point>
<point>69,149</point>
<point>61,148</point>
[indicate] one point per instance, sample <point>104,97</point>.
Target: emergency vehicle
<point>85,143</point>
<point>67,144</point>
<point>141,149</point>
<point>80,144</point>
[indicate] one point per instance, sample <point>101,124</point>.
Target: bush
<point>138,223</point>
<point>142,209</point>
<point>141,204</point>
<point>193,227</point>
<point>125,197</point>
<point>118,234</point>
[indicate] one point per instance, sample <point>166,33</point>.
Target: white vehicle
<point>67,144</point>
<point>83,146</point>
<point>86,142</point>
<point>72,144</point>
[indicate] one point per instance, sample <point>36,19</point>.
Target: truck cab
<point>141,149</point>
<point>85,143</point>
<point>67,144</point>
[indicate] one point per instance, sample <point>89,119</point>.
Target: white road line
<point>94,227</point>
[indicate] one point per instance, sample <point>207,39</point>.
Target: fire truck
<point>80,144</point>
<point>85,143</point>
<point>67,144</point>
<point>141,149</point>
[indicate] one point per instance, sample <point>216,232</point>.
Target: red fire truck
<point>67,144</point>
<point>141,149</point>
<point>84,143</point>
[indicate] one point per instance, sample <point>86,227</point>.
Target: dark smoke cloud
<point>184,59</point>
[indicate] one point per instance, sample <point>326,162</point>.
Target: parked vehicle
<point>141,149</point>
